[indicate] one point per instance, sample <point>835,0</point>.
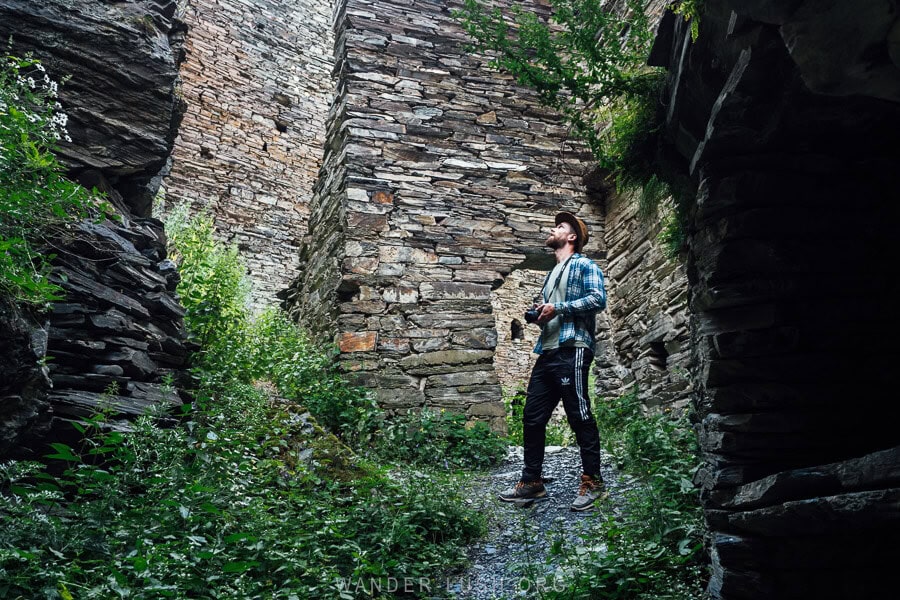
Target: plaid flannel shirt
<point>585,296</point>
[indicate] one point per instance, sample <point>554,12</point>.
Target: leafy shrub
<point>270,347</point>
<point>217,508</point>
<point>690,10</point>
<point>246,497</point>
<point>236,347</point>
<point>439,439</point>
<point>303,371</point>
<point>35,197</point>
<point>213,288</point>
<point>654,549</point>
<point>589,64</point>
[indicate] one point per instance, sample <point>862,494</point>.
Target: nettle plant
<point>35,196</point>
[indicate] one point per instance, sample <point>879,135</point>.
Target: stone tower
<point>257,84</point>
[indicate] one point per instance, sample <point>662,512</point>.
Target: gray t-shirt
<point>550,330</point>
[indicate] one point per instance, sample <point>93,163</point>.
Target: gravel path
<point>517,551</point>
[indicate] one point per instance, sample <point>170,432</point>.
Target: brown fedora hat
<point>581,230</point>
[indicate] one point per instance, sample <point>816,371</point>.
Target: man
<point>571,296</point>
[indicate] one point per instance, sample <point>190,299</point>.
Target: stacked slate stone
<point>116,343</point>
<point>649,343</point>
<point>786,115</point>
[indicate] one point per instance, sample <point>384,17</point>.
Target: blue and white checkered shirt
<point>585,297</point>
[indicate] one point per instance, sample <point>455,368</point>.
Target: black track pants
<point>560,374</point>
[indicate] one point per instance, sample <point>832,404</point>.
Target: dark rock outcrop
<point>785,115</point>
<point>122,98</point>
<point>118,336</point>
<point>115,344</point>
<point>24,382</point>
<point>117,341</point>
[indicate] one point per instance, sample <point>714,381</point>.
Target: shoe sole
<point>591,505</point>
<point>524,498</point>
<point>526,502</point>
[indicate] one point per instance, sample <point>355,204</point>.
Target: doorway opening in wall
<point>517,332</point>
<point>658,356</point>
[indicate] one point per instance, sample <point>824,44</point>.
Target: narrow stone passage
<point>519,549</point>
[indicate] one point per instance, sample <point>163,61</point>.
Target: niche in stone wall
<point>516,331</point>
<point>657,355</point>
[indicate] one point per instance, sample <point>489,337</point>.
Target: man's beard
<point>554,242</point>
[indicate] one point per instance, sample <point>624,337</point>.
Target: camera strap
<point>556,282</point>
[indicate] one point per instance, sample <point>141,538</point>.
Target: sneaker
<point>589,492</point>
<point>524,490</point>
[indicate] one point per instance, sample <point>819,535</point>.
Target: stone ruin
<point>425,232</point>
<point>254,138</point>
<point>440,180</point>
<point>443,174</point>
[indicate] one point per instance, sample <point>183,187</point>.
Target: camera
<point>531,315</point>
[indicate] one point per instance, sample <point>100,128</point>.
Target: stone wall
<point>647,317</point>
<point>785,114</point>
<point>441,179</point>
<point>257,83</point>
<point>513,356</point>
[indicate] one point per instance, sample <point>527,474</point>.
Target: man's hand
<point>547,313</point>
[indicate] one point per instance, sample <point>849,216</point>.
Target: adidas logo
<point>565,381</point>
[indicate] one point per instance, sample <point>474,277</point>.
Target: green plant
<point>35,197</point>
<point>671,236</point>
<point>219,507</point>
<point>440,437</point>
<point>690,10</point>
<point>653,548</point>
<point>302,371</point>
<point>213,288</point>
<point>247,496</point>
<point>588,62</point>
<point>514,406</point>
<point>271,348</point>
